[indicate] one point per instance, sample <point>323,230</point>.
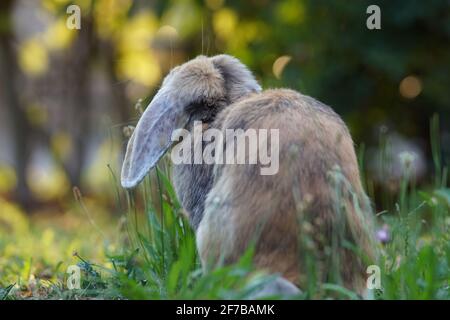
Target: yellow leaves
<point>58,36</point>
<point>33,54</point>
<point>136,60</point>
<point>279,65</point>
<point>8,179</point>
<point>33,57</point>
<point>291,11</point>
<point>138,32</point>
<point>139,66</point>
<point>12,219</point>
<point>234,36</point>
<point>224,23</point>
<point>110,15</point>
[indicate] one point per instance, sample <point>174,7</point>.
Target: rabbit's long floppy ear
<point>152,137</point>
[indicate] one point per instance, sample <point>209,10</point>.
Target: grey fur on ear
<point>152,137</point>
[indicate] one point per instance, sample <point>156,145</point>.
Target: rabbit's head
<point>196,90</point>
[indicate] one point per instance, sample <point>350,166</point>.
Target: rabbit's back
<point>312,205</point>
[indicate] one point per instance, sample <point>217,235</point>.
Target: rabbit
<point>316,194</point>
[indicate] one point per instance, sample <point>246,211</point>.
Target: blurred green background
<point>66,95</point>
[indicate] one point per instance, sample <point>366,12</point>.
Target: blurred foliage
<point>332,55</point>
<point>393,78</point>
<point>380,81</point>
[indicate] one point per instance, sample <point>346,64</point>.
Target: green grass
<point>152,253</point>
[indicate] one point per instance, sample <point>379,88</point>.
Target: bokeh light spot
<point>279,65</point>
<point>33,57</point>
<point>224,22</point>
<point>410,87</point>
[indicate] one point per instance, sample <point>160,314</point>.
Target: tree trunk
<point>21,130</point>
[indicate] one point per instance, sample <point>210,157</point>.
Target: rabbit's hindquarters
<point>314,203</point>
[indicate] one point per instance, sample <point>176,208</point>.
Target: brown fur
<point>313,140</point>
<point>313,204</point>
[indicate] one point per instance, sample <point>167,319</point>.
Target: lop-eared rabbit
<point>314,206</point>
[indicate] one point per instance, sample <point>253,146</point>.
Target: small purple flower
<point>383,234</point>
